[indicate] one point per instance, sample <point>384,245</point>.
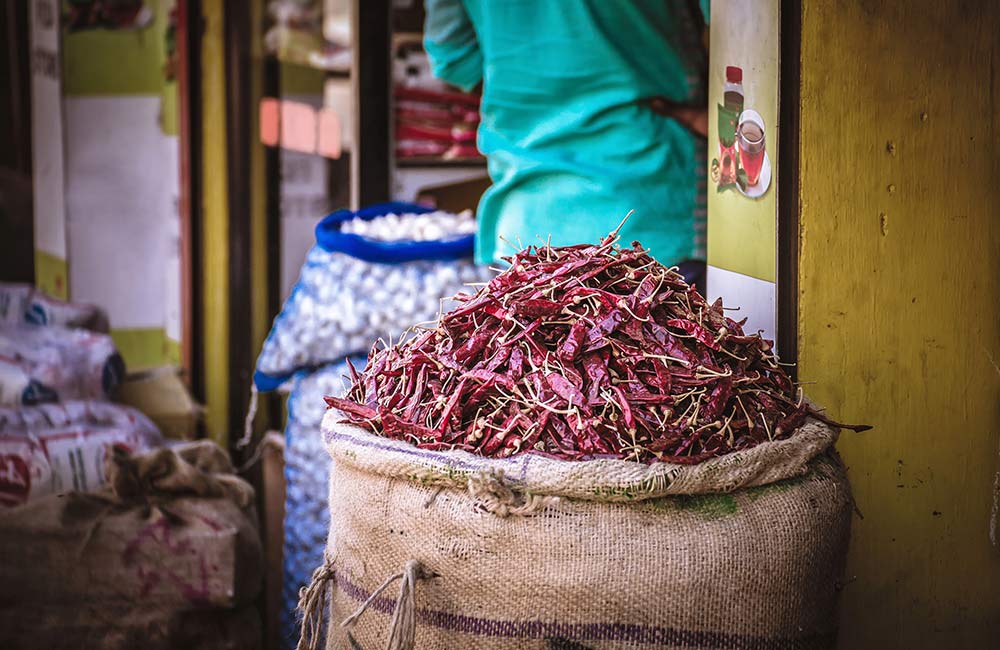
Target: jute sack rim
<point>606,480</point>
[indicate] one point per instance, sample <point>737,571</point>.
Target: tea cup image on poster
<point>743,164</point>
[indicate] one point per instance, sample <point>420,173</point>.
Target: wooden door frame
<point>237,54</point>
<point>190,27</point>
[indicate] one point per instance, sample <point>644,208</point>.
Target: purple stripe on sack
<point>438,457</point>
<point>414,451</point>
<point>618,632</point>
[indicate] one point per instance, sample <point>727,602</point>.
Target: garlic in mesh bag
<point>372,273</point>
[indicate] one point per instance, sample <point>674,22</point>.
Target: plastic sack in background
<point>307,465</point>
<point>55,448</point>
<point>48,364</point>
<point>22,303</point>
<point>372,273</point>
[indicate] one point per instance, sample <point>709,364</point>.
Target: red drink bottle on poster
<point>729,115</point>
<point>732,92</point>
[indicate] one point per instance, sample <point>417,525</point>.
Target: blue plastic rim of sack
<point>331,243</point>
<point>307,465</point>
<point>331,239</point>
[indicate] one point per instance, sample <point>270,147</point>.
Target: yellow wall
<point>899,305</point>
<point>260,265</point>
<point>216,304</point>
<point>51,274</point>
<point>215,273</point>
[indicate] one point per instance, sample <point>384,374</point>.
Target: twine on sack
<point>258,450</point>
<point>403,626</point>
<point>150,482</point>
<point>311,601</point>
<point>433,497</point>
<point>248,421</point>
<point>496,497</point>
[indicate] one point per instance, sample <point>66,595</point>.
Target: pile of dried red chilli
<point>580,352</point>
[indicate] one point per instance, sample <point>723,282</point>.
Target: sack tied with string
<point>175,529</point>
<point>436,550</point>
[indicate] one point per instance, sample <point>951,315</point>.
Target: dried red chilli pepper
<point>500,358</point>
<point>718,399</point>
<point>595,366</point>
<point>700,333</point>
<point>537,307</point>
<point>567,391</point>
<point>580,352</point>
<point>351,408</point>
<point>398,427</point>
<point>571,345</point>
<point>598,336</point>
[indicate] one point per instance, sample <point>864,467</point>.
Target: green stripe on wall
<point>117,62</point>
<point>51,275</point>
<point>146,347</point>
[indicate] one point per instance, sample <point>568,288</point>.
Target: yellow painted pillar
<point>260,266</point>
<point>899,304</point>
<point>215,229</point>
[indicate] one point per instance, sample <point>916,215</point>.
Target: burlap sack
<point>175,529</point>
<point>743,551</point>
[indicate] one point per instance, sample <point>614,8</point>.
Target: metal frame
<point>271,87</point>
<point>236,32</point>
<point>787,298</point>
<point>17,76</point>
<point>17,260</point>
<point>371,78</point>
<point>189,32</point>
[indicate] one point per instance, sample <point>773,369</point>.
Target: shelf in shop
<point>342,73</point>
<point>437,161</point>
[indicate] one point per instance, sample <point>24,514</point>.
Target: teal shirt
<point>571,144</point>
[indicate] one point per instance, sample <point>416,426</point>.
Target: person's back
<point>571,141</point>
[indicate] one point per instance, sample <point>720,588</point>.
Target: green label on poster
<point>743,137</point>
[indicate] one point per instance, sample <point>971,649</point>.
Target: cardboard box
<point>455,197</point>
<point>161,394</point>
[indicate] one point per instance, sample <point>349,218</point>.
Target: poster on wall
<point>122,15</point>
<point>743,158</point>
<point>122,173</point>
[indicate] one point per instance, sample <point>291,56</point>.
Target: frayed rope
<point>493,495</point>
<point>402,627</point>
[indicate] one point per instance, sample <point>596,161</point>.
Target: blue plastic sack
<point>307,464</point>
<point>354,289</point>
